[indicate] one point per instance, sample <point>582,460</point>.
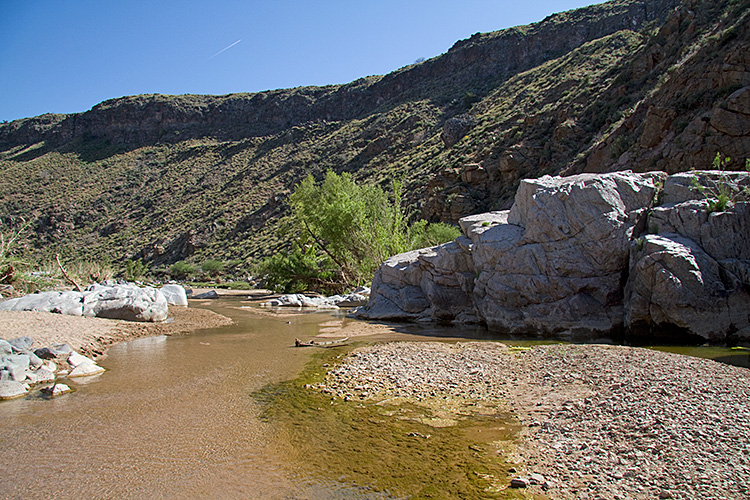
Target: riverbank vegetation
<point>341,232</point>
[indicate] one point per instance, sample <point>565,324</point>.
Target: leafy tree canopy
<point>346,231</point>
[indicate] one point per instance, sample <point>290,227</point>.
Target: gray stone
<point>56,390</point>
<point>350,300</point>
<point>21,344</point>
<point>61,348</point>
<point>680,187</point>
<point>46,353</point>
<point>34,360</point>
<point>10,389</point>
<point>70,303</point>
<point>555,263</point>
<point>175,295</point>
<point>20,360</point>
<point>44,375</point>
<point>673,281</point>
<point>519,482</point>
<point>5,348</point>
<point>127,302</point>
<point>211,294</point>
<point>551,264</point>
<point>85,370</point>
<point>75,359</point>
<point>713,232</point>
<point>536,478</point>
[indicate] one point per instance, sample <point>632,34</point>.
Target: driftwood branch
<point>65,274</point>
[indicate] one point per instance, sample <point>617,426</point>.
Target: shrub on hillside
<point>181,270</point>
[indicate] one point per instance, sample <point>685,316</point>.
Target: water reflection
<point>173,417</point>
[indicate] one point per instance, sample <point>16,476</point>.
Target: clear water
<point>174,417</point>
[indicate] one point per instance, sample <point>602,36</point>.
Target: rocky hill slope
<point>629,84</point>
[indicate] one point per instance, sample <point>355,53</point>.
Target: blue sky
<point>65,56</point>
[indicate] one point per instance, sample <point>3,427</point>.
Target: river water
<point>173,417</point>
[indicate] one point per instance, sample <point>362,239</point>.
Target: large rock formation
<point>127,302</point>
<point>570,258</point>
<point>694,274</point>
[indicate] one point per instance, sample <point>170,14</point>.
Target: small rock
<point>85,370</point>
<point>5,348</point>
<point>55,390</point>
<point>46,353</point>
<point>21,344</point>
<point>44,375</point>
<point>10,389</point>
<point>536,478</point>
<point>34,360</point>
<point>61,349</point>
<point>18,360</point>
<point>208,295</point>
<point>75,359</point>
<point>16,373</point>
<point>519,482</point>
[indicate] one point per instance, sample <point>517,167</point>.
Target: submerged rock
<point>55,390</point>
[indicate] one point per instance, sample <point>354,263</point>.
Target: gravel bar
<point>599,421</point>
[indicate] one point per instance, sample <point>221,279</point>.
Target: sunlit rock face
<point>573,258</point>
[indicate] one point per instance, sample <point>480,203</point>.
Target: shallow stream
<point>194,416</point>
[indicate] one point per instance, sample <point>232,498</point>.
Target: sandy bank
<point>597,421</point>
<point>92,336</point>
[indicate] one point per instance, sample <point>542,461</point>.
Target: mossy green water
<point>400,449</point>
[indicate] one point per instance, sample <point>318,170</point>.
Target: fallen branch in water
<point>312,343</point>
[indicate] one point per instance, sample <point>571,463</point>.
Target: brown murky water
<point>171,418</point>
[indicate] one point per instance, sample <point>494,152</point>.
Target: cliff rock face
<point>639,85</point>
<point>571,259</point>
<point>491,57</point>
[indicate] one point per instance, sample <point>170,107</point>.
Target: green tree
<point>212,267</point>
<point>345,231</point>
<point>134,269</point>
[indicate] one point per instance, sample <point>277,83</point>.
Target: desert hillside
<point>629,84</point>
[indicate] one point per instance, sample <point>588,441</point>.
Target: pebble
<point>21,368</point>
<point>599,421</point>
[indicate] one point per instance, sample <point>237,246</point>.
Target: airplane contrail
<point>225,48</point>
